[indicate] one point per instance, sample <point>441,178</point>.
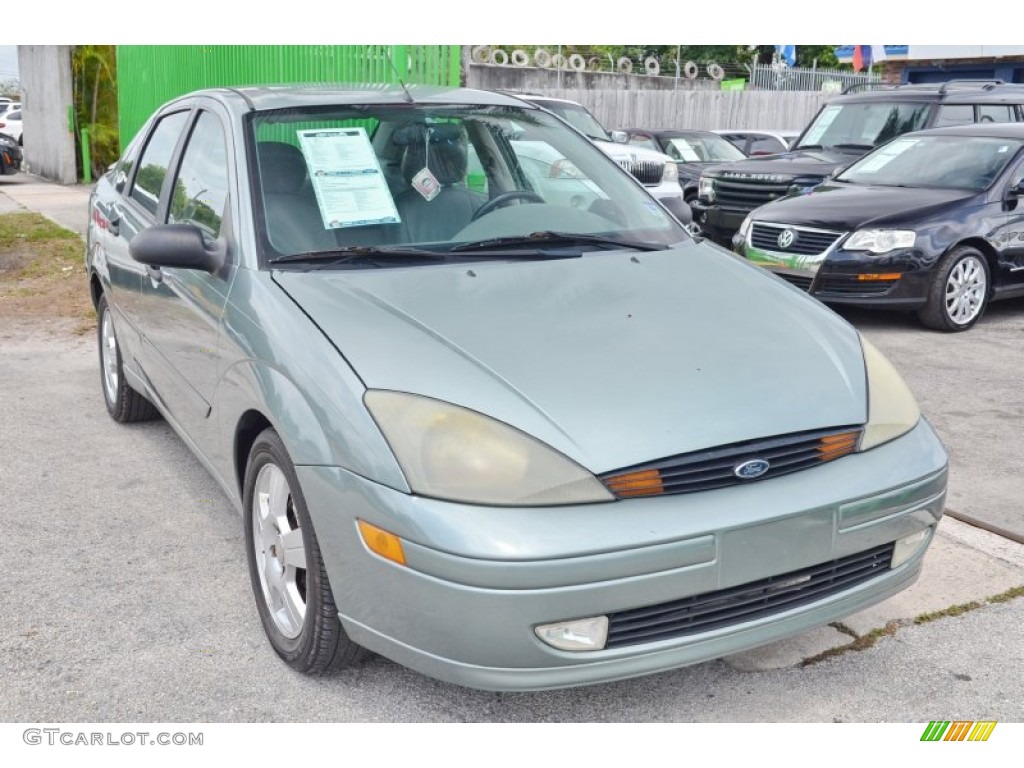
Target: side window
<point>765,145</point>
<point>155,159</point>
<point>955,114</point>
<point>996,113</point>
<point>201,189</point>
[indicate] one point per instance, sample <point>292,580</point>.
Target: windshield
<point>435,178</point>
<point>578,117</point>
<point>701,149</point>
<point>947,162</point>
<point>864,125</point>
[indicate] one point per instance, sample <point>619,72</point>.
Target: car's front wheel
<point>293,595</point>
<point>123,403</point>
<point>959,291</point>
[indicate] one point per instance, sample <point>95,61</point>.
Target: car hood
<point>849,206</point>
<point>631,152</point>
<point>614,358</point>
<point>813,162</point>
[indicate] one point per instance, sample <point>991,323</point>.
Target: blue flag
<point>787,53</point>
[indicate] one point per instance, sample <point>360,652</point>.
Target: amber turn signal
<point>385,544</point>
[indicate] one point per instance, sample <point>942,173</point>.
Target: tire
<point>959,291</point>
<point>289,581</point>
<point>123,403</point>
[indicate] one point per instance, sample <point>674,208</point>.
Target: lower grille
<point>800,281</point>
<point>747,602</point>
<point>851,286</point>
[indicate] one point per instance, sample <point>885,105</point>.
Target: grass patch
<point>863,642</point>
<point>42,270</point>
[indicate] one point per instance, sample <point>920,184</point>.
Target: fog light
<point>909,546</point>
<point>580,635</point>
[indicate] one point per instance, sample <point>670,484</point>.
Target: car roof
<point>949,92</point>
<point>282,96</point>
<point>984,130</point>
<point>671,132</point>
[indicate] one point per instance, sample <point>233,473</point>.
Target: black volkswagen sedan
<point>932,221</point>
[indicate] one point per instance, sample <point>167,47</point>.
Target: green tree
<point>94,68</point>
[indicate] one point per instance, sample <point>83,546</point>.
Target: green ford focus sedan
<point>485,406</point>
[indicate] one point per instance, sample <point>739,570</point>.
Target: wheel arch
<point>985,248</point>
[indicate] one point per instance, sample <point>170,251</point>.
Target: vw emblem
<point>786,238</point>
<point>750,470</point>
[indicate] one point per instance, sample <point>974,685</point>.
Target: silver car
<point>507,441</point>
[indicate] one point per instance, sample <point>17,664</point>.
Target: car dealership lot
<point>127,597</point>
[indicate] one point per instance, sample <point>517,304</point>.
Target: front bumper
<point>718,223</point>
<point>899,279</point>
<point>478,580</point>
<point>10,158</point>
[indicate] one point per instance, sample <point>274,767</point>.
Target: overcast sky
<point>8,62</point>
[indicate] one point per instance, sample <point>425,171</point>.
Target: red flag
<point>858,59</point>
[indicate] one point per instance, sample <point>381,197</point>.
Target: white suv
<point>656,171</point>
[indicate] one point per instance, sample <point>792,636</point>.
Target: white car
<point>10,120</point>
<point>655,170</point>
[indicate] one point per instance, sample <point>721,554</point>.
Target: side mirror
<point>175,245</point>
<point>620,137</point>
<point>1017,190</point>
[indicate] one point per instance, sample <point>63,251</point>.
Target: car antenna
<point>398,77</point>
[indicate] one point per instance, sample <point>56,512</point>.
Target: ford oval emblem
<point>750,470</point>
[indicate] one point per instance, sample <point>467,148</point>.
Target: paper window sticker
<point>426,184</point>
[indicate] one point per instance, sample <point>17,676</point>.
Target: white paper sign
<point>350,187</point>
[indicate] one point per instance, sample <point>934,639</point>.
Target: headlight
<point>453,453</point>
<point>670,174</point>
<point>880,240</point>
<point>745,227</point>
<point>892,410</point>
<point>706,189</point>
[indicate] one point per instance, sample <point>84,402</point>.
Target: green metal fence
<point>149,75</point>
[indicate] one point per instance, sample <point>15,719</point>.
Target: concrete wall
<point>46,88</point>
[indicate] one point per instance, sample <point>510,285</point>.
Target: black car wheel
<point>123,403</point>
<point>293,595</point>
<point>959,291</point>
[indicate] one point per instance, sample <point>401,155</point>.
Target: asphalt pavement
<point>126,596</point>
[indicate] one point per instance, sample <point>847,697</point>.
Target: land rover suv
<point>846,128</point>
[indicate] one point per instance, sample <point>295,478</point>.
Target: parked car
<point>846,128</point>
<point>931,221</point>
<point>10,124</point>
<point>654,169</point>
<point>10,155</point>
<point>479,432</point>
<point>753,143</point>
<point>692,151</point>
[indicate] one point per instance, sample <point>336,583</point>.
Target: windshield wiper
<point>556,238</point>
<point>853,146</point>
<point>352,253</point>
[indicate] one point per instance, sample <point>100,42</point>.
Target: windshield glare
<point>948,162</point>
<point>701,149</point>
<point>864,124</point>
<point>579,118</point>
<point>437,177</point>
